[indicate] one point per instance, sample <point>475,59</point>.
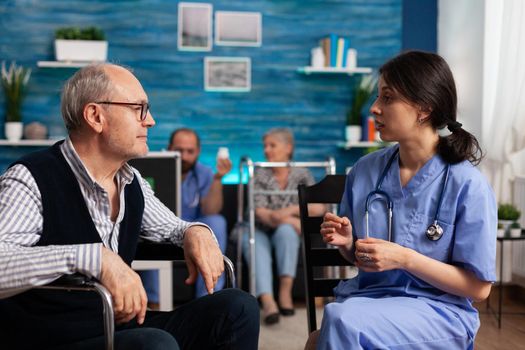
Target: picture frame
<point>194,32</point>
<point>227,74</point>
<point>238,28</point>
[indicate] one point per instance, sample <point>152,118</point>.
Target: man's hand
<point>203,255</point>
<point>125,286</point>
<point>224,165</point>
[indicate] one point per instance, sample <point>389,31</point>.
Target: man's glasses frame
<point>144,107</point>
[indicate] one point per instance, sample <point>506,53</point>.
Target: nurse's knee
<point>338,317</point>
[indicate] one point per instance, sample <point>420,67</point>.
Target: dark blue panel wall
<point>143,35</point>
<point>420,25</point>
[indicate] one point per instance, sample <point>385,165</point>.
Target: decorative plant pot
<point>14,130</point>
<point>501,232</point>
<point>81,50</point>
<point>506,226</point>
<point>353,133</point>
<point>515,232</point>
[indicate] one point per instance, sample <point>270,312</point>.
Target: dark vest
<point>38,319</point>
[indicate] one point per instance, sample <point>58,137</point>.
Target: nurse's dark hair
<point>425,79</point>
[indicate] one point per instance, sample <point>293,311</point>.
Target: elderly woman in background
<point>277,225</point>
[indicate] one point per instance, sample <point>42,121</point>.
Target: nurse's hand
<point>337,230</point>
<point>375,255</point>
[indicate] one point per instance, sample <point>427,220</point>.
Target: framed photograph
<point>238,28</point>
<point>194,26</point>
<point>231,74</point>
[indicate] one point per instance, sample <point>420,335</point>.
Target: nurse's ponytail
<point>460,145</point>
<point>425,79</point>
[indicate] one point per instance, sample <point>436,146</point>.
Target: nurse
<point>415,289</point>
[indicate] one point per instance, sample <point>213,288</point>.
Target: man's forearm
<point>24,267</point>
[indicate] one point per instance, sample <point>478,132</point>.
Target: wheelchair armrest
<point>74,280</point>
<point>79,282</point>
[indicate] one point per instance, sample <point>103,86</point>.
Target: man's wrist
<point>217,176</point>
<point>199,226</point>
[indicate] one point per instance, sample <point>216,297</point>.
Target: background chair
<point>145,251</point>
<point>316,254</point>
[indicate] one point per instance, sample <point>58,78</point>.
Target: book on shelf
<point>335,49</point>
<point>325,45</point>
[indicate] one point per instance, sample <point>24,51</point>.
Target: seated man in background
<point>201,195</point>
<point>79,207</point>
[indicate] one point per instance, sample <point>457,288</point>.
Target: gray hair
<point>284,135</point>
<point>87,85</point>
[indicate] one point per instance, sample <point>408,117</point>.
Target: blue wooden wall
<point>143,35</point>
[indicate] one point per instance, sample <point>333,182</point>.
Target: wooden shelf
<point>332,70</point>
<point>28,142</point>
<point>60,64</point>
<point>361,144</point>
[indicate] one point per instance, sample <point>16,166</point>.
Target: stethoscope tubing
<point>390,204</point>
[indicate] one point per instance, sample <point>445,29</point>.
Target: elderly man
<point>79,207</point>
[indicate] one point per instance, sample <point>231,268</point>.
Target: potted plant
<point>14,84</point>
<point>515,229</point>
<point>501,231</point>
<point>354,118</point>
<point>80,44</point>
<point>507,214</point>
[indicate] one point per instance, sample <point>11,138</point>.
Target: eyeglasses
<point>144,107</point>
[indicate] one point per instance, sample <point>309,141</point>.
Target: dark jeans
<point>228,319</point>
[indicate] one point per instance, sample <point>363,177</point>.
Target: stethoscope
<point>434,231</point>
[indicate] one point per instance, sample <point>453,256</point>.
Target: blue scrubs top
<point>468,216</point>
<point>195,186</point>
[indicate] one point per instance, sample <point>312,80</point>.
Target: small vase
<point>353,133</point>
<point>13,131</point>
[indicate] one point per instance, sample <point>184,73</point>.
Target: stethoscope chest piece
<point>434,231</point>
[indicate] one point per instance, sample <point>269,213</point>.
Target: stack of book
<point>336,50</point>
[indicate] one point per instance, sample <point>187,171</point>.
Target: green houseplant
<point>14,85</point>
<point>77,33</point>
<point>362,93</point>
<point>507,214</point>
<point>77,44</point>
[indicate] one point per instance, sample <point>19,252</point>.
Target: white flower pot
<point>81,50</point>
<point>506,225</point>
<point>13,131</point>
<point>515,232</point>
<point>501,232</point>
<point>353,133</point>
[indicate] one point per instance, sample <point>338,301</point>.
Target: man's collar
<point>125,174</point>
